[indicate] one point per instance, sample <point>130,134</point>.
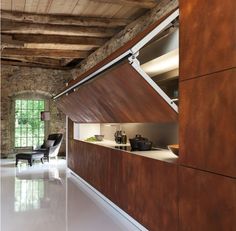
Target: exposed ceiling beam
<point>36,60</point>
<point>4,45</point>
<point>45,53</point>
<point>41,60</point>
<point>64,62</point>
<point>135,3</point>
<point>59,46</point>
<point>8,40</point>
<point>63,20</point>
<point>82,40</point>
<point>10,27</point>
<point>16,63</point>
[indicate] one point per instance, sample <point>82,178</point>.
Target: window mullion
<point>29,129</point>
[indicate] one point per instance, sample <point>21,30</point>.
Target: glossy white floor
<point>43,197</point>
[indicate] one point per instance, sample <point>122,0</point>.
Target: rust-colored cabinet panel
<point>90,162</point>
<point>208,123</point>
<point>118,95</point>
<point>144,188</point>
<point>207,201</point>
<point>151,188</point>
<point>70,128</point>
<point>207,37</point>
<point>117,187</point>
<point>72,156</point>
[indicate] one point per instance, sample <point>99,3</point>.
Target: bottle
<point>123,138</point>
<point>119,137</point>
<point>116,136</point>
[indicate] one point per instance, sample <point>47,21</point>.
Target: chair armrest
<point>44,150</point>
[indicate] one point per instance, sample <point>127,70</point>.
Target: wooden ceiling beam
<point>36,60</point>
<point>45,53</point>
<point>10,27</point>
<point>133,3</point>
<point>10,45</point>
<point>59,46</point>
<point>64,62</point>
<point>63,20</point>
<point>8,39</point>
<point>24,64</point>
<point>58,39</point>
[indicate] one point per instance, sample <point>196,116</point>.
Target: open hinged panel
<point>126,89</point>
<point>156,59</point>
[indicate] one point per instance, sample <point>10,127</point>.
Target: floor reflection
<point>28,194</point>
<point>41,197</point>
<point>31,186</point>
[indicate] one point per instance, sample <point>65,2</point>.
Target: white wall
<point>84,131</point>
<point>161,134</point>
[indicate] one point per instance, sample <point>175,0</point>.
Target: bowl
<point>99,137</point>
<point>174,148</point>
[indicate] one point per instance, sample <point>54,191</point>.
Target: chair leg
<point>46,157</point>
<point>16,162</point>
<point>30,162</point>
<point>42,160</point>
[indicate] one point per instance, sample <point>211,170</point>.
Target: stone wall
<point>33,82</point>
<point>128,33</point>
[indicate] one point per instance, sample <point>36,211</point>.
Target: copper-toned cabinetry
<point>145,188</point>
<point>207,37</point>
<point>207,201</point>
<point>208,123</point>
<point>207,86</point>
<point>207,161</point>
<point>118,95</point>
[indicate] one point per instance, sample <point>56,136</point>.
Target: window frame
<point>28,96</point>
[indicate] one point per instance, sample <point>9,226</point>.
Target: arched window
<point>29,129</point>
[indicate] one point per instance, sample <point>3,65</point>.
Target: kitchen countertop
<point>159,154</point>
